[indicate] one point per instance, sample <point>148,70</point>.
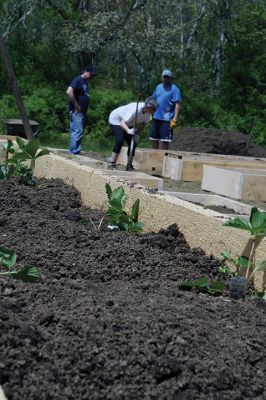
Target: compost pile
<point>216,141</point>
<point>108,320</point>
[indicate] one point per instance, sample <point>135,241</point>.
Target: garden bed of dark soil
<point>108,320</point>
<point>216,141</point>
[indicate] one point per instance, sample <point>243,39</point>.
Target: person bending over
<point>126,123</point>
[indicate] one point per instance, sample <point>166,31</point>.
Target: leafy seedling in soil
<point>116,214</point>
<point>238,263</point>
<point>257,228</point>
<point>203,285</point>
<point>25,151</point>
<point>8,259</point>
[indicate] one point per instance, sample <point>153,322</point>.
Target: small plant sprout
<point>203,285</point>
<point>28,151</point>
<point>9,148</point>
<point>15,165</point>
<point>257,227</point>
<point>117,216</point>
<point>8,259</point>
<point>238,263</point>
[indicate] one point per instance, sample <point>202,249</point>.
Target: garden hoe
<point>134,136</point>
<point>133,141</point>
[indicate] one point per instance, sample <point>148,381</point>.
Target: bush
<point>8,109</point>
<point>46,105</point>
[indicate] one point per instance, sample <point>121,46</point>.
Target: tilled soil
<point>108,320</point>
<point>216,141</point>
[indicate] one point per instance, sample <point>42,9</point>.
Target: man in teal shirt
<point>168,97</point>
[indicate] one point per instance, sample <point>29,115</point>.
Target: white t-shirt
<point>128,113</point>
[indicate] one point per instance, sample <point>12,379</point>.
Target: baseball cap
<point>151,102</point>
<point>167,72</point>
<point>92,70</point>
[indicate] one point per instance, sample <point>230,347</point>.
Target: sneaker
<point>130,167</point>
<point>112,165</point>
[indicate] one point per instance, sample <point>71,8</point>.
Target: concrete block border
<point>201,228</point>
<point>238,183</point>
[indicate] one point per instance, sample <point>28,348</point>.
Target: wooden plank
<point>144,159</point>
<point>239,183</point>
<point>191,169</point>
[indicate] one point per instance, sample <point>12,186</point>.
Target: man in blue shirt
<point>78,104</point>
<point>168,97</point>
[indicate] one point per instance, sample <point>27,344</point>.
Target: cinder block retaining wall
<point>201,228</point>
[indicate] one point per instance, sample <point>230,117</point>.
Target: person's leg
<point>119,141</point>
<point>155,134</point>
<point>76,132</point>
<point>166,134</point>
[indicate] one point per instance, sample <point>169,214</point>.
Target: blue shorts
<point>160,130</point>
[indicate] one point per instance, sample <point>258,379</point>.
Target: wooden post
<point>15,89</point>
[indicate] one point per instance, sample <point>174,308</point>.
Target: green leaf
<point>238,223</point>
<point>108,191</point>
<point>123,226</point>
<point>43,152</point>
<point>135,211</point>
<point>197,283</point>
<point>119,197</point>
<point>18,157</point>
<point>21,143</point>
<point>224,269</point>
<point>257,221</point>
<point>31,149</point>
<point>9,147</point>
<point>7,257</point>
<point>242,262</point>
<point>6,171</point>
<point>27,274</point>
<point>227,255</point>
<point>136,227</point>
<point>217,286</point>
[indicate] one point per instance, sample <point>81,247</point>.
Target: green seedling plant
<point>23,152</point>
<point>116,214</point>
<point>6,171</point>
<point>238,263</point>
<point>8,260</point>
<point>28,151</point>
<point>257,228</point>
<point>204,285</point>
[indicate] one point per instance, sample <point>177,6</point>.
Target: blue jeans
<point>77,125</point>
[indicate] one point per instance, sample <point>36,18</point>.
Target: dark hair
<point>91,69</point>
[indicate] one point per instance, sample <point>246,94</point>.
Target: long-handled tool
<point>132,143</point>
<point>250,133</point>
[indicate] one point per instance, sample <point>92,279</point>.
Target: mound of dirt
<point>216,141</point>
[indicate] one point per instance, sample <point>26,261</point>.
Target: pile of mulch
<point>108,320</point>
<point>216,141</point>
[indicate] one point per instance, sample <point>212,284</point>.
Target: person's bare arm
<point>123,125</point>
<point>71,96</point>
<point>177,110</point>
